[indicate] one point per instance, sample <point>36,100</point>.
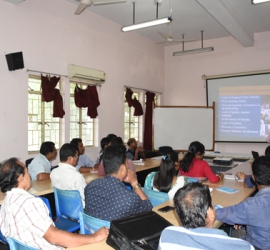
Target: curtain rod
<point>44,72</point>
<point>143,89</point>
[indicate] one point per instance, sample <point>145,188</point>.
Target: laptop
<point>255,154</point>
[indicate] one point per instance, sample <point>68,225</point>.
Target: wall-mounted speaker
<point>15,61</point>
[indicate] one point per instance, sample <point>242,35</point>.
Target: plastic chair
<point>28,161</point>
<point>2,238</point>
<point>17,245</point>
<point>149,180</point>
<point>68,204</point>
<point>59,222</point>
<point>89,224</point>
<point>155,197</point>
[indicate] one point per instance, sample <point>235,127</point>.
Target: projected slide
<point>242,108</point>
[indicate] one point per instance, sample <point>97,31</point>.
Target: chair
<point>89,224</point>
<point>68,204</point>
<point>149,180</point>
<point>156,197</point>
<point>2,238</point>
<point>164,149</point>
<point>17,245</point>
<point>28,161</point>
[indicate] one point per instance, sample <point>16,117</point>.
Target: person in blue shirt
<point>134,151</point>
<point>193,204</point>
<point>254,211</point>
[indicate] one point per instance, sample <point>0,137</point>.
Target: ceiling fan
<point>170,39</point>
<point>85,3</point>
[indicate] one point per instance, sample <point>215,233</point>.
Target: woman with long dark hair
<point>166,180</point>
<point>193,164</point>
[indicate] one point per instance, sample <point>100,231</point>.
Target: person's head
<point>114,160</point>
<point>69,154</point>
<point>195,150</point>
<point>13,174</point>
<point>193,205</point>
<point>174,157</point>
<point>261,171</point>
<point>117,141</point>
<point>163,179</point>
<point>267,152</point>
<point>48,149</point>
<point>111,136</point>
<point>78,142</point>
<point>132,143</point>
<point>105,142</point>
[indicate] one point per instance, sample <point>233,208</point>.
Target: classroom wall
<point>183,74</point>
<point>51,37</point>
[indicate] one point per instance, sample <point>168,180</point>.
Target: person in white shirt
<point>66,177</point>
<point>25,217</point>
<point>40,166</point>
<point>84,163</point>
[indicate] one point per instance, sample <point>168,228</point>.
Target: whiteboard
<point>179,126</point>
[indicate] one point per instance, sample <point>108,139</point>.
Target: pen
<point>235,166</point>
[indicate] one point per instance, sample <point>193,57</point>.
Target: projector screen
<point>242,107</point>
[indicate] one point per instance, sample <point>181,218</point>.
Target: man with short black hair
<point>134,152</point>
<point>108,198</point>
<point>66,177</point>
<point>84,161</point>
<point>254,211</point>
<point>40,166</point>
<point>194,208</point>
<point>25,217</point>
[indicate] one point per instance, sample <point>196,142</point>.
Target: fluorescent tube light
<point>146,24</point>
<point>259,1</point>
<point>192,51</point>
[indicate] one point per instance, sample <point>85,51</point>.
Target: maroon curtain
<point>87,98</point>
<point>138,110</point>
<point>148,126</point>
<point>50,93</point>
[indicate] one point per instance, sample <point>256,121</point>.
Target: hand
<point>237,226</point>
<point>139,149</point>
<point>241,175</point>
<point>221,176</point>
<point>101,234</point>
<point>132,177</point>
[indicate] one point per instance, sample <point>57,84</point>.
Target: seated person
<point>25,217</point>
<point>254,211</point>
<point>66,177</point>
<point>104,143</point>
<point>165,180</point>
<point>115,141</point>
<point>40,166</point>
<point>193,164</point>
<point>84,163</point>
<point>108,198</point>
<point>134,152</point>
<point>248,180</point>
<point>194,208</point>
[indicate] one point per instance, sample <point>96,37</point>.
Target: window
<point>42,126</point>
<point>81,125</point>
<point>132,123</point>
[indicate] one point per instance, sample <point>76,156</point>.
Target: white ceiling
<point>218,18</point>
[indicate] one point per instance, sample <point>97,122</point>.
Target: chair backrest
<point>164,149</point>
<point>28,161</point>
<point>47,203</point>
<point>68,203</point>
<point>2,238</point>
<point>156,197</point>
<point>89,224</point>
<point>148,180</point>
<point>17,245</point>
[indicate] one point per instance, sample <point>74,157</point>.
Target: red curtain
<point>50,93</point>
<point>87,98</point>
<point>138,110</point>
<point>148,122</point>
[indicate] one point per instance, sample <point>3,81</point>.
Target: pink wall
<point>51,37</point>
<point>183,74</point>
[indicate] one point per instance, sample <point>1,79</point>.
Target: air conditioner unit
<point>85,75</point>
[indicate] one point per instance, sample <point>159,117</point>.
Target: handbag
<point>137,232</point>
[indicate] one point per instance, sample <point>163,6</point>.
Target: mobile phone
<point>166,209</point>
